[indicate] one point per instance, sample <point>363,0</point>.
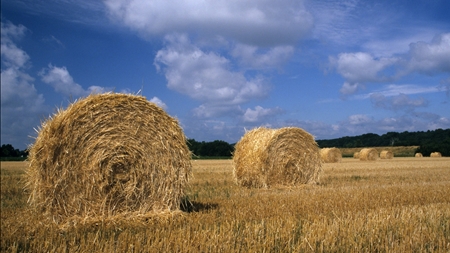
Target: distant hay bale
<point>368,154</point>
<point>108,155</point>
<point>331,155</point>
<point>418,155</point>
<point>436,154</point>
<point>356,155</point>
<point>286,156</point>
<point>386,154</point>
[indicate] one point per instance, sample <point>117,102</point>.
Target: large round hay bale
<point>356,155</point>
<point>368,154</point>
<point>287,156</point>
<point>386,154</point>
<point>331,155</point>
<point>418,155</point>
<point>107,155</point>
<point>435,154</point>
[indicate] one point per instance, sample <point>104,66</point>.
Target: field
<point>397,205</point>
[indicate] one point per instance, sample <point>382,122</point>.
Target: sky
<point>223,67</point>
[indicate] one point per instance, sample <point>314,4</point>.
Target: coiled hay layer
<point>418,155</point>
<point>331,155</point>
<point>435,154</point>
<point>287,156</point>
<point>107,155</point>
<point>386,154</point>
<point>368,154</point>
<point>356,155</point>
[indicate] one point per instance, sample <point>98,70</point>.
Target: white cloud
<point>251,57</point>
<point>12,56</point>
<point>159,102</point>
<point>359,119</point>
<point>206,76</point>
<point>399,102</point>
<point>213,110</point>
<point>252,22</point>
<point>430,58</point>
<point>21,105</point>
<point>350,88</point>
<point>397,89</point>
<point>61,80</point>
<point>360,67</point>
<point>260,114</point>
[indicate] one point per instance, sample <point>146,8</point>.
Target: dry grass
<point>266,157</point>
<point>418,155</point>
<point>395,205</point>
<point>108,155</point>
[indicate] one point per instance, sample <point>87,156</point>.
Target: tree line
<point>428,141</point>
<point>8,152</point>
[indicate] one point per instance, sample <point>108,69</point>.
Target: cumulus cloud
<point>262,23</point>
<point>206,76</point>
<point>159,102</point>
<point>61,80</point>
<point>430,58</point>
<point>21,105</point>
<point>399,102</point>
<point>255,58</point>
<point>260,114</point>
<point>12,56</point>
<point>361,67</point>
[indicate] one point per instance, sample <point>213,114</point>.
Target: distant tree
<point>7,150</point>
<point>215,148</point>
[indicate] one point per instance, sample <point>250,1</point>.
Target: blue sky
<point>333,68</point>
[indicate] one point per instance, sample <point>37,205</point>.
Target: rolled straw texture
<point>386,154</point>
<point>331,155</point>
<point>418,155</point>
<point>368,154</point>
<point>435,154</point>
<point>287,156</point>
<point>105,155</point>
<point>356,155</point>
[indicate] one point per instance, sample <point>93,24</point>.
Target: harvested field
<point>390,205</point>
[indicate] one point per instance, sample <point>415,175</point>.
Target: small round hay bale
<point>368,154</point>
<point>386,154</point>
<point>356,155</point>
<point>435,154</point>
<point>286,156</point>
<point>418,155</point>
<point>107,155</point>
<point>331,155</point>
